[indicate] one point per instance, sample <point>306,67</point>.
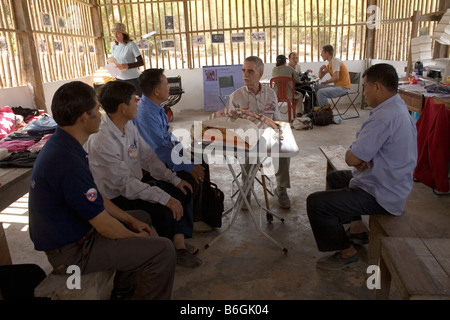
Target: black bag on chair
<point>212,203</point>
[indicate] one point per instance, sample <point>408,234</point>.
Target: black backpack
<point>212,204</point>
<point>321,117</point>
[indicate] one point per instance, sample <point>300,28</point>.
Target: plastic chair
<point>355,78</point>
<point>226,88</point>
<point>282,87</point>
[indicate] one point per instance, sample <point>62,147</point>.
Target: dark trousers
<point>197,189</point>
<point>329,210</point>
<point>145,262</point>
<point>162,218</point>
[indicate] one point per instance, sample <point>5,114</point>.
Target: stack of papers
<point>442,30</point>
<point>421,49</point>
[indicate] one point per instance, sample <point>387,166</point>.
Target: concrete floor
<point>243,264</point>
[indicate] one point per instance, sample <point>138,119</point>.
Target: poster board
<point>218,83</point>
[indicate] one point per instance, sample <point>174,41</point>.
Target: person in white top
<point>263,100</point>
<point>117,157</point>
<point>293,62</point>
<point>127,55</point>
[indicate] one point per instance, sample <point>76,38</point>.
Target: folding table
<point>268,146</point>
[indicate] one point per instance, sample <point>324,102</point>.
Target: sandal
<point>192,250</point>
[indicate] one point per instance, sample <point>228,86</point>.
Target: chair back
<point>355,78</point>
<point>226,82</point>
<point>282,87</point>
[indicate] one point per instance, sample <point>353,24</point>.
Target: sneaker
<point>358,238</point>
<point>336,262</point>
<point>185,259</point>
<point>283,199</point>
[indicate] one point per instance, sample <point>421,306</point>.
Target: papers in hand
<point>113,70</point>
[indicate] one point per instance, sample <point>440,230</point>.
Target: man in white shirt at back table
<point>263,100</point>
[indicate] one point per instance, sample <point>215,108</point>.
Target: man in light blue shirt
<point>153,126</point>
<point>384,156</point>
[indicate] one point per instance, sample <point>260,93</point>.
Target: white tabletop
<point>268,145</point>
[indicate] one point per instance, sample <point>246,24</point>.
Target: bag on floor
<point>212,203</point>
<point>303,123</point>
<point>321,117</point>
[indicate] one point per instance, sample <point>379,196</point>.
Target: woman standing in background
<point>127,55</point>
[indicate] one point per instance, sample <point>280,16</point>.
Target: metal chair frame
<point>355,78</point>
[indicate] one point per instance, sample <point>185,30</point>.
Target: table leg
<point>244,189</point>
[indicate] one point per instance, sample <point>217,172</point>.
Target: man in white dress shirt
<point>117,157</point>
<point>263,100</point>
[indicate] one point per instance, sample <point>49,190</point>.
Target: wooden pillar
<point>370,46</point>
<point>188,34</point>
<point>30,63</point>
<point>98,34</point>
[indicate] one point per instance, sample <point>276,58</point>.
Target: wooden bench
<point>14,183</point>
<point>420,268</point>
<point>335,156</point>
<point>93,286</point>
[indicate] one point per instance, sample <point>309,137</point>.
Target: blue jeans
<point>324,92</point>
<point>329,210</point>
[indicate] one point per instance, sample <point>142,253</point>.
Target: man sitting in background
<point>339,77</point>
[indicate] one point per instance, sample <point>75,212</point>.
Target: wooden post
<point>414,30</point>
<point>370,45</point>
<point>30,63</point>
<point>98,34</point>
<point>188,34</point>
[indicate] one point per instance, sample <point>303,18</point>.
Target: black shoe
<point>358,238</point>
<point>122,293</point>
<point>185,259</point>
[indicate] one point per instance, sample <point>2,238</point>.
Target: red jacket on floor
<point>433,145</point>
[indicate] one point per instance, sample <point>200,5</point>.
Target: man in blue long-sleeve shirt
<point>152,124</point>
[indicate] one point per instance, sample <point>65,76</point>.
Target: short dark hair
<point>71,100</point>
<point>383,73</point>
<point>149,80</point>
<point>113,93</point>
<point>290,54</point>
<point>281,60</point>
<point>328,48</point>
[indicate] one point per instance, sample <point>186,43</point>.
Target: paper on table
<point>113,70</point>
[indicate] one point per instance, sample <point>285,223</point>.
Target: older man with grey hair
<point>263,100</point>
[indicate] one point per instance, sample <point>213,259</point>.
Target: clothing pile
<point>23,133</point>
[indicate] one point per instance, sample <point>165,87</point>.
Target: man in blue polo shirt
<point>384,156</point>
<point>153,126</point>
<point>75,225</point>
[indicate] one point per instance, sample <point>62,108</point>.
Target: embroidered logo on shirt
<point>91,195</point>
